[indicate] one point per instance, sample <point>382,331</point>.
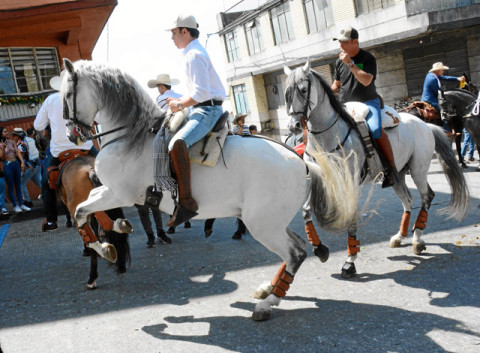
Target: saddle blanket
<point>359,111</point>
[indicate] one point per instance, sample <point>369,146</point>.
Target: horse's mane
<point>335,102</point>
<point>122,99</point>
<point>461,91</point>
<point>299,75</point>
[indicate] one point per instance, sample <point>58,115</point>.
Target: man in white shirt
<point>205,95</point>
<point>51,114</point>
<point>164,85</point>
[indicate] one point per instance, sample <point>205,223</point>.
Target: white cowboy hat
<point>55,82</point>
<point>438,66</point>
<point>187,21</point>
<point>163,79</point>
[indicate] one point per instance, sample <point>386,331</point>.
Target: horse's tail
<point>335,189</point>
<point>460,198</point>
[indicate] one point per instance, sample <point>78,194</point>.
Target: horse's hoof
<point>395,243</point>
<point>109,252</point>
<point>122,226</point>
<point>91,286</point>
<point>263,291</point>
<point>208,232</point>
<point>418,247</point>
<point>322,252</point>
<point>261,315</point>
<point>349,270</point>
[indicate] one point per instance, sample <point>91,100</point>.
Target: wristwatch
<point>179,105</point>
<point>351,63</point>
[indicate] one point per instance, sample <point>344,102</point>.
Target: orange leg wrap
<point>405,223</point>
<point>87,234</point>
<point>281,282</point>
<point>421,222</point>
<point>353,248</point>
<point>105,222</point>
<point>312,234</point>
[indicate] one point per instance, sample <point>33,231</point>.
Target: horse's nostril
<point>298,125</point>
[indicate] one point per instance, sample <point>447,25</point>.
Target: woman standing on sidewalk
<point>12,169</point>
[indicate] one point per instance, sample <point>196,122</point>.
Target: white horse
<point>310,98</point>
<point>270,180</point>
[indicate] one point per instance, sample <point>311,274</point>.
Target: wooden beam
<point>73,25</point>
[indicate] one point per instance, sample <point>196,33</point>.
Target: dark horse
<point>77,180</point>
<point>456,108</point>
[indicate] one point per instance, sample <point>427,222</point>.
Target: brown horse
<point>77,179</point>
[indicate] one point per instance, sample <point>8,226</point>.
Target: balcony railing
<point>415,7</point>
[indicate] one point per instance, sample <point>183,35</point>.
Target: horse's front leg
<point>319,249</point>
<point>101,199</point>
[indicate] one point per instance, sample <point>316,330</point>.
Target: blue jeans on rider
<point>200,122</point>
<point>374,118</point>
<point>49,196</point>
<point>13,177</point>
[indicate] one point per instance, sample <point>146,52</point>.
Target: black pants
<point>144,213</point>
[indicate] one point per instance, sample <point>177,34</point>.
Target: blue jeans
<point>13,177</point>
<point>467,144</point>
<point>374,118</point>
<point>2,192</point>
<point>34,174</point>
<point>200,122</point>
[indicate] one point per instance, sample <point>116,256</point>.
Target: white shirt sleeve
<point>197,71</point>
<point>41,120</point>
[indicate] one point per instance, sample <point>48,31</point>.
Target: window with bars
<point>232,46</point>
<point>241,101</point>
<point>319,14</point>
<point>367,6</point>
<point>24,70</point>
<point>254,37</point>
<point>282,23</point>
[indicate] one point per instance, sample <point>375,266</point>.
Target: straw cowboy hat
<point>163,79</point>
<point>438,66</point>
<point>18,131</point>
<point>55,82</point>
<point>238,117</point>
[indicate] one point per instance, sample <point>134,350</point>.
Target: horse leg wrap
<point>105,222</point>
<point>353,248</point>
<point>405,223</point>
<point>312,234</point>
<point>421,222</point>
<point>87,234</point>
<point>281,282</point>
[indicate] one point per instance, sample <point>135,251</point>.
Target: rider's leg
<point>201,121</point>
<point>374,121</point>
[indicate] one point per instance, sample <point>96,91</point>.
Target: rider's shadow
<point>450,281</point>
<point>340,326</point>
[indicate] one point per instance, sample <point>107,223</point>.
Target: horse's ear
<point>287,70</point>
<point>306,67</point>
<point>68,65</point>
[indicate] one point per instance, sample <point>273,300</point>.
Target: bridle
<point>80,128</point>
<point>305,114</point>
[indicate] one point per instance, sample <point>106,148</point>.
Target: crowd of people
<point>26,157</point>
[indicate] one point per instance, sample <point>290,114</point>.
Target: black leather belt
<point>209,103</point>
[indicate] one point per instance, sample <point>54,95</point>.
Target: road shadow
<point>332,326</point>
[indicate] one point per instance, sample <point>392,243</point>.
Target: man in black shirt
<point>354,80</point>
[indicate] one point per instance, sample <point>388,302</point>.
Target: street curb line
<point>3,233</point>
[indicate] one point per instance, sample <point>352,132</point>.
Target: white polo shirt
<point>51,113</point>
<point>202,80</point>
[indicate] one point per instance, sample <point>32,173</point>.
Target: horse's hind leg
<point>353,248</point>
<point>405,197</point>
<point>91,283</point>
<point>319,249</point>
<point>291,249</point>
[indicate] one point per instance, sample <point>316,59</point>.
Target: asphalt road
<point>195,295</point>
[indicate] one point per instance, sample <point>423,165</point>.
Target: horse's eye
<point>304,90</point>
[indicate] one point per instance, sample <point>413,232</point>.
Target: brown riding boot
<point>181,167</point>
<point>385,147</point>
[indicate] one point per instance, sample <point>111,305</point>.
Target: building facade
<point>406,37</point>
<point>35,37</point>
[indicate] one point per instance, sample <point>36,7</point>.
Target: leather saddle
<point>55,172</point>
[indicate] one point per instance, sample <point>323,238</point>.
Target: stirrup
<point>153,197</point>
<point>180,215</point>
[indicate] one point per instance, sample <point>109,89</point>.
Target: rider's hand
<point>172,104</point>
<point>462,79</point>
<point>345,57</point>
